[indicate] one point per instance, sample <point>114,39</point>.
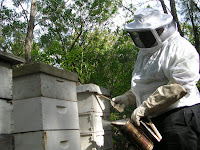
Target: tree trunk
<point>174,14</point>
<point>29,34</point>
<point>163,6</point>
<point>194,27</point>
<point>1,18</point>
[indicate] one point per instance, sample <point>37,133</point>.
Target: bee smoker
<point>133,134</point>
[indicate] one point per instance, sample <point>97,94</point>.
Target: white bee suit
<point>163,57</point>
<point>176,59</point>
<point>164,79</point>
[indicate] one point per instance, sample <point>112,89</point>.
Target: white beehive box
<point>6,123</point>
<point>96,141</point>
<point>6,62</point>
<point>90,99</point>
<point>48,140</point>
<point>36,80</point>
<point>5,81</point>
<point>94,122</point>
<point>43,113</point>
<point>6,142</point>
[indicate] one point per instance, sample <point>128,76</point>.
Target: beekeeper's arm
<point>122,101</point>
<point>163,97</point>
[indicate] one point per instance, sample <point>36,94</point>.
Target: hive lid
<point>39,67</point>
<point>10,58</point>
<point>92,88</point>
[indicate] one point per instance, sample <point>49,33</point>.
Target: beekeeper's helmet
<point>147,21</point>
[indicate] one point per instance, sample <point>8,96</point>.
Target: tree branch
<point>175,16</point>
<point>1,18</point>
<point>26,17</point>
<point>120,4</point>
<point>76,39</point>
<point>127,9</point>
<point>195,4</point>
<point>195,30</point>
<point>163,6</point>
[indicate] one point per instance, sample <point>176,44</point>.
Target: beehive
<point>6,94</point>
<point>45,108</point>
<point>94,117</point>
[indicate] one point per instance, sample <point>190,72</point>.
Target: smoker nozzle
<point>120,124</point>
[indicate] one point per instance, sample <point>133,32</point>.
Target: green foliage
<point>190,14</point>
<point>75,36</point>
<point>198,85</point>
<point>12,33</point>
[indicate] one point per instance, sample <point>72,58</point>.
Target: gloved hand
<point>162,98</point>
<point>122,101</point>
<point>137,114</point>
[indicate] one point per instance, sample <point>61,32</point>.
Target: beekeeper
<point>164,78</point>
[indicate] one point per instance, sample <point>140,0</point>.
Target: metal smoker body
<point>134,134</point>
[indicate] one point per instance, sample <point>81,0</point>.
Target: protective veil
<point>143,30</point>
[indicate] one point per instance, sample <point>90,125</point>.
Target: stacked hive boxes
<point>45,108</point>
<point>6,124</point>
<point>94,117</point>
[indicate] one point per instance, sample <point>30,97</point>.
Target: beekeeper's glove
<point>122,101</point>
<point>163,97</point>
